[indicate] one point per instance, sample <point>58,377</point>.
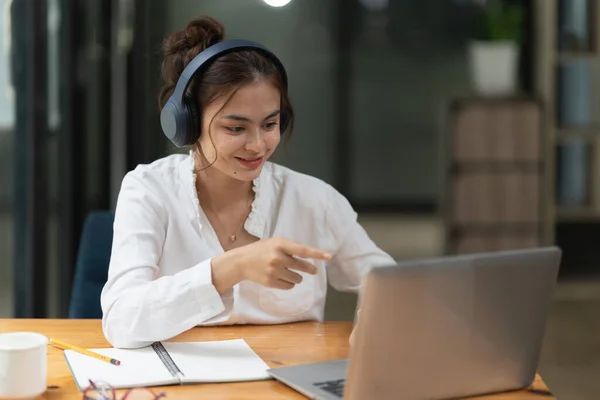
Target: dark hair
<point>225,75</point>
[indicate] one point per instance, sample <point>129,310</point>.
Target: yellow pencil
<point>64,346</point>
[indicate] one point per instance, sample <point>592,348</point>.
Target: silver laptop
<point>441,328</point>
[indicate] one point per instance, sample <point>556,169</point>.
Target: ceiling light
<point>277,3</point>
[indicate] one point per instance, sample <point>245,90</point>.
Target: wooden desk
<point>278,345</point>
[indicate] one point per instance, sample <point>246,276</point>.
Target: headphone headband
<point>177,120</point>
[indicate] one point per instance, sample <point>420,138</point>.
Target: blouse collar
<point>256,222</point>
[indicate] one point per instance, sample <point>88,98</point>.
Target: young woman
<point>222,235</point>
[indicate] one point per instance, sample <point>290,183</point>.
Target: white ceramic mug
<point>23,365</point>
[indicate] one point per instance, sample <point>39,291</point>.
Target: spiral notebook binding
<point>166,359</point>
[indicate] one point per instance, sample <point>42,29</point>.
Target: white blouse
<point>159,279</point>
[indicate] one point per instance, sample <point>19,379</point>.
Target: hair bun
<point>199,34</point>
<point>204,32</point>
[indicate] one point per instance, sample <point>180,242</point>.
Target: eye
<point>270,125</point>
<point>235,129</point>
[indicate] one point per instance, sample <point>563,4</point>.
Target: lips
<point>250,162</point>
<point>249,159</point>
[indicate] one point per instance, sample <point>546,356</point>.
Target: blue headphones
<point>180,117</point>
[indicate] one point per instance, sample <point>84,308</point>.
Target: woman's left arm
<point>354,253</point>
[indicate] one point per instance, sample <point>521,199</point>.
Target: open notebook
<point>170,363</point>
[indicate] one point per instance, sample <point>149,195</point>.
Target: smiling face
<point>239,135</point>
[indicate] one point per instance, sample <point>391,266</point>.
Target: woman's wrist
<point>225,272</point>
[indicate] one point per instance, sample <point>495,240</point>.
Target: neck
<point>217,190</point>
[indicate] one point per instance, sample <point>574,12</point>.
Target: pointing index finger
<point>296,249</point>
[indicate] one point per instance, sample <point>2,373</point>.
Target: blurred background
<point>452,126</point>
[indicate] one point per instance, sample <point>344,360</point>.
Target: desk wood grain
<point>279,345</point>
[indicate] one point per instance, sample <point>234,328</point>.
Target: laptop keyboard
<point>334,387</point>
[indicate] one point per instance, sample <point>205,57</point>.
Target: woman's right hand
<point>269,262</point>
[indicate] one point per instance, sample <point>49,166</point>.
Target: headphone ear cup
<point>194,119</point>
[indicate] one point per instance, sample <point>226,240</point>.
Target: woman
<point>222,236</point>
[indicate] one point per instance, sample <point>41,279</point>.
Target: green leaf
<point>503,21</point>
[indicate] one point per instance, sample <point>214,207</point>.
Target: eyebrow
<point>246,119</point>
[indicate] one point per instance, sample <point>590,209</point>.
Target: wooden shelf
<point>494,177</point>
<point>550,56</point>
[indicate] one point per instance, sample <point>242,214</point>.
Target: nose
<point>255,142</point>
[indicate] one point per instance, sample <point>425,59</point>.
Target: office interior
<point>378,88</point>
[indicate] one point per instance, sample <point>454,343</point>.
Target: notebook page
<point>217,361</point>
<point>139,367</point>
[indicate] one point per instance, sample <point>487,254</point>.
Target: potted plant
<point>494,56</point>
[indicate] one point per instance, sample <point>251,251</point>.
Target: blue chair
<point>91,271</point>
